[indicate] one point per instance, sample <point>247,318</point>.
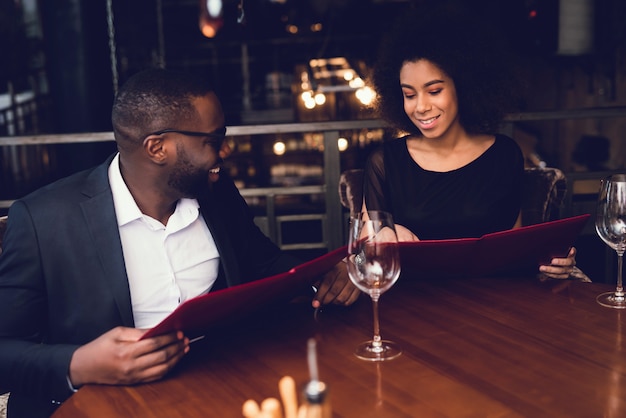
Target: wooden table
<point>472,348</point>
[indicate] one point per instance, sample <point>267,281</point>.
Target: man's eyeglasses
<point>217,136</point>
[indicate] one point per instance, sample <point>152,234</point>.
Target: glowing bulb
<point>306,95</point>
<point>208,30</point>
<point>355,83</point>
<point>316,27</point>
<point>279,148</point>
<point>320,98</point>
<point>214,7</point>
<point>342,144</point>
<point>366,95</point>
<point>310,103</point>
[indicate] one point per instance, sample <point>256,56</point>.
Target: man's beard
<point>185,178</point>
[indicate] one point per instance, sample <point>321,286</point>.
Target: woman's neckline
<point>455,169</point>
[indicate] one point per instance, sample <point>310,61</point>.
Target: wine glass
<point>374,266</point>
<point>611,227</point>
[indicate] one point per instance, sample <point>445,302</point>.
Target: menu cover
<point>514,250</point>
<point>198,314</point>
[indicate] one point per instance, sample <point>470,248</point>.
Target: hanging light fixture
<point>330,76</point>
<point>211,17</point>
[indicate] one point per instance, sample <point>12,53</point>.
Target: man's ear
<point>154,146</point>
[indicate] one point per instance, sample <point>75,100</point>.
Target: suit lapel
<point>99,213</point>
<point>211,213</point>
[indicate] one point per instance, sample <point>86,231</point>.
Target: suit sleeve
<point>27,364</point>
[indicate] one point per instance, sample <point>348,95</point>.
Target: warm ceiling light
<point>320,98</point>
<point>342,144</point>
<point>279,148</point>
<point>293,29</point>
<point>214,8</point>
<point>209,27</point>
<point>309,103</point>
<point>210,20</point>
<point>356,83</point>
<point>366,95</point>
<point>209,30</point>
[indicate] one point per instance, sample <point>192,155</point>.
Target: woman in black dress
<point>443,81</point>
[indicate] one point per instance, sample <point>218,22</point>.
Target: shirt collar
<point>126,209</point>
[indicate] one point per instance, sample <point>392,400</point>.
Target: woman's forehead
<point>423,71</point>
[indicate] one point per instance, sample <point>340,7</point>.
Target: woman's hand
<point>560,268</point>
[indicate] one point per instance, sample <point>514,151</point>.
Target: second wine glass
<point>374,266</point>
<point>611,227</point>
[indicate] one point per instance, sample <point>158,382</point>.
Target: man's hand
<point>336,287</point>
<point>118,357</point>
<point>404,234</point>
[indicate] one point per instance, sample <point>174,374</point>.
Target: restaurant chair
<point>4,398</point>
<point>543,191</point>
<point>351,189</point>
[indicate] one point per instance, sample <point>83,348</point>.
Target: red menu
<point>508,251</point>
<point>499,252</point>
<point>198,314</point>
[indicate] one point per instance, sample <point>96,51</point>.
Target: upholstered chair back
<point>543,191</point>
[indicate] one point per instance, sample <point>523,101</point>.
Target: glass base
<point>387,351</point>
<point>610,300</point>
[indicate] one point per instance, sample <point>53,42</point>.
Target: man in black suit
<point>91,261</point>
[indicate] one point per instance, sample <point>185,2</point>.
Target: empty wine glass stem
<point>376,341</point>
<point>619,291</point>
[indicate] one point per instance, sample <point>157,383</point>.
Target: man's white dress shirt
<point>166,264</point>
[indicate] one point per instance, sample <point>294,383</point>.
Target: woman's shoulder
<point>504,144</point>
<point>506,141</point>
<point>506,151</point>
<point>392,149</point>
<point>395,145</point>
<point>389,146</point>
